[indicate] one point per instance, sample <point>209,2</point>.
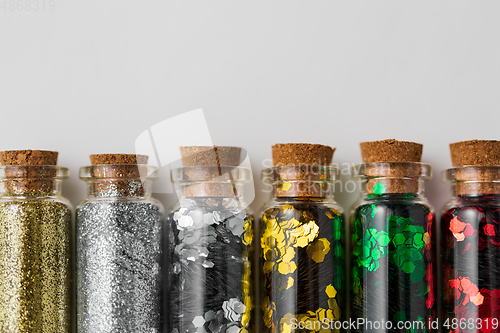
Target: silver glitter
<point>118,267</point>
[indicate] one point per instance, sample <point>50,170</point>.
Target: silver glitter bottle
<point>119,235</point>
<point>210,245</point>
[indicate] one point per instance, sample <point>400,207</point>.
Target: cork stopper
<point>207,167</point>
<point>299,169</point>
<point>397,178</point>
<point>476,153</point>
<point>118,159</point>
<point>391,150</point>
<point>117,174</point>
<point>28,157</point>
<point>29,172</point>
<point>302,153</point>
<point>210,156</point>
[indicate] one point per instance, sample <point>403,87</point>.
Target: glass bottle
<point>35,224</point>
<point>119,246</point>
<point>392,252</point>
<point>210,244</point>
<point>302,243</point>
<point>470,239</point>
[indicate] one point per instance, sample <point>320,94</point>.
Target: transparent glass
<point>35,248</point>
<point>470,248</point>
<point>392,251</point>
<point>119,250</point>
<point>210,248</point>
<point>301,260</point>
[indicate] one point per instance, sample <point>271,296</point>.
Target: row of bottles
<point>206,266</point>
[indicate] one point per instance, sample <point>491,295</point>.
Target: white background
<point>90,76</point>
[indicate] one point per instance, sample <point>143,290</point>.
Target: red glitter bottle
<point>470,239</point>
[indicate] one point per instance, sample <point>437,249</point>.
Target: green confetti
<point>399,239</point>
<point>379,189</point>
<point>408,267</point>
<point>374,210</point>
<point>382,238</point>
<point>418,241</point>
<point>416,276</point>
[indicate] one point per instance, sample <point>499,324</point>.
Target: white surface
<point>90,76</point>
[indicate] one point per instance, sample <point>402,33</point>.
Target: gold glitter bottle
<point>302,237</point>
<point>34,244</point>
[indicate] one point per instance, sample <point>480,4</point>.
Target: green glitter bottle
<point>392,252</point>
<point>34,244</point>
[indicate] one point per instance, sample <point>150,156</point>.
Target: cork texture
<point>204,163</point>
<point>118,174</point>
<point>478,153</point>
<point>298,168</point>
<point>28,157</point>
<point>397,179</point>
<point>210,156</point>
<point>118,159</point>
<point>29,172</point>
<point>391,150</point>
<point>302,153</point>
<point>475,152</point>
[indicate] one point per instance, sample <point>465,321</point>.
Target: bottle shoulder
<point>292,204</point>
<point>392,201</point>
<point>105,201</point>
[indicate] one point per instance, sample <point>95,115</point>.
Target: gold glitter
<point>286,186</point>
<point>34,270</point>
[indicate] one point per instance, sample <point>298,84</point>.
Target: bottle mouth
<point>33,172</point>
<point>300,173</point>
<point>401,170</point>
<point>118,171</point>
<point>223,174</point>
<point>472,174</point>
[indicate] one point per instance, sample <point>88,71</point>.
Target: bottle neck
<point>473,180</point>
<point>26,187</point>
<point>392,178</point>
<point>31,180</point>
<point>392,185</point>
<point>106,188</point>
<point>301,181</point>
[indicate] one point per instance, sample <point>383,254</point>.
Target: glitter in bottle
<point>392,250</point>
<point>35,222</point>
<point>302,260</point>
<point>470,239</point>
<point>210,245</point>
<point>119,235</point>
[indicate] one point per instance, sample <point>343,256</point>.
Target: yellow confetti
<point>318,250</point>
<point>427,238</point>
<point>330,291</point>
<point>268,266</point>
<point>286,186</point>
<point>290,282</point>
<point>332,304</point>
<point>302,241</point>
<point>284,268</point>
<point>289,255</point>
